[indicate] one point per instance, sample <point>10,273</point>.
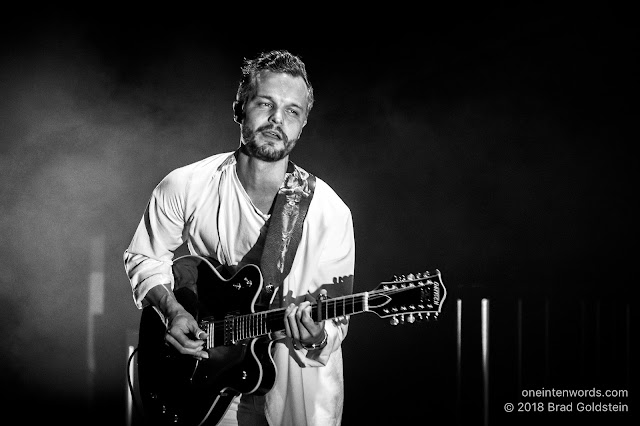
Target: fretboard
<point>235,328</point>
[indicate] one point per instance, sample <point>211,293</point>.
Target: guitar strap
<point>285,229</point>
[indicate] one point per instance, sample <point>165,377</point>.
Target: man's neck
<point>261,179</point>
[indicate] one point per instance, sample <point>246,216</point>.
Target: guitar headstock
<point>408,298</point>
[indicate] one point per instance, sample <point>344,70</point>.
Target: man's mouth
<point>272,133</point>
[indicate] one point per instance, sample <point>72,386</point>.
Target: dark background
<point>495,144</point>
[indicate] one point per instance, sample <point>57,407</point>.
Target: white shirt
<point>205,205</point>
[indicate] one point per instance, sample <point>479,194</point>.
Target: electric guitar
<point>178,389</point>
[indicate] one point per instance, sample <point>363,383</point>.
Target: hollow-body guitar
<point>180,390</point>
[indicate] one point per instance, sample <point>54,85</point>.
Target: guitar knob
<point>411,319</point>
<point>394,321</point>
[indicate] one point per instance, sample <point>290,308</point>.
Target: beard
<point>266,151</point>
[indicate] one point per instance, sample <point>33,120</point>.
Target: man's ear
<point>238,113</point>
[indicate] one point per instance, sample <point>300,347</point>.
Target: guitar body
<point>180,390</point>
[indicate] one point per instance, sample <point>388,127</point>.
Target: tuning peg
<point>394,320</point>
<point>411,319</point>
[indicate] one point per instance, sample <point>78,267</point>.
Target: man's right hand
<point>183,332</point>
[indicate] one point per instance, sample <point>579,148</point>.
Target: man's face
<point>274,116</point>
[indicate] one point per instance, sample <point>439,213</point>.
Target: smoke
<point>81,148</point>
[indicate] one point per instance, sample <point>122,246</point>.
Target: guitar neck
<point>418,295</point>
<point>235,328</point>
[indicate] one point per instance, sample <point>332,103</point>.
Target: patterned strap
<point>285,227</point>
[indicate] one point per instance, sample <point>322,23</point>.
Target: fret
<point>260,325</point>
<point>325,305</point>
<point>246,324</point>
<point>243,327</point>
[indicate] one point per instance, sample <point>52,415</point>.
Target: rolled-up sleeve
<point>162,229</point>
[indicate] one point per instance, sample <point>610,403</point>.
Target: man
<point>222,208</point>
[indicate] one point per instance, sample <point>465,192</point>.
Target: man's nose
<point>276,117</point>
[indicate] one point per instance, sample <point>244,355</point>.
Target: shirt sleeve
<point>162,229</point>
<point>337,262</point>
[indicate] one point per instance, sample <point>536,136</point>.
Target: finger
<point>174,341</point>
<point>293,323</point>
<point>304,306</point>
<point>180,340</point>
<point>192,344</point>
<point>307,321</point>
<point>310,330</point>
<point>287,327</point>
<point>200,335</point>
<point>197,351</point>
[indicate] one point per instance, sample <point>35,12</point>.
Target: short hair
<point>280,61</point>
